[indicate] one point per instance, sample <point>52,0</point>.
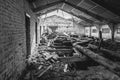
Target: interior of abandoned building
<point>60,39</point>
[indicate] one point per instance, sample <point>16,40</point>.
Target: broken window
<point>86,31</point>
<point>105,30</point>
<point>118,30</point>
<point>94,30</point>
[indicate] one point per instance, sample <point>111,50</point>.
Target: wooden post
<point>113,33</point>
<point>98,26</point>
<point>90,31</point>
<point>111,66</point>
<point>112,27</point>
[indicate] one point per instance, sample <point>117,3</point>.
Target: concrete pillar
<point>40,31</point>
<point>98,26</point>
<point>112,27</point>
<point>90,31</point>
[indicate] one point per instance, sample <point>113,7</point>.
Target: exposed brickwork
<point>12,37</point>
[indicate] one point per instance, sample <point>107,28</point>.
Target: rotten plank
<point>113,53</point>
<point>42,71</point>
<point>63,47</point>
<point>111,66</point>
<point>56,50</point>
<point>70,59</point>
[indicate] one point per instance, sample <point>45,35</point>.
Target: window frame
<point>118,30</point>
<point>105,30</point>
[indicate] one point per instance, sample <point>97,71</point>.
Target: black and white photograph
<point>59,39</point>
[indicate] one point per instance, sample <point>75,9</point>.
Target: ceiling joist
<point>85,11</point>
<point>40,8</point>
<point>111,5</point>
<point>81,17</point>
<point>48,11</point>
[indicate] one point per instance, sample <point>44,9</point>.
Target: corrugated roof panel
<point>93,19</point>
<point>78,12</point>
<point>117,19</point>
<point>87,4</point>
<point>51,1</point>
<point>40,3</point>
<point>67,7</point>
<point>75,2</point>
<point>108,14</point>
<point>98,10</point>
<point>85,15</point>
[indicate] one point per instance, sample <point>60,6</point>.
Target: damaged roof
<point>90,11</point>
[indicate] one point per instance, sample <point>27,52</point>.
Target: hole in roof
<point>62,14</point>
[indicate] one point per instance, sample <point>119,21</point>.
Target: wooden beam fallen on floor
<point>56,50</point>
<point>113,53</point>
<point>41,72</point>
<point>61,47</point>
<point>71,59</point>
<point>111,66</point>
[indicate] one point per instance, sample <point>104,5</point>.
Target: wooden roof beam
<point>81,17</point>
<point>40,8</point>
<point>49,11</point>
<point>85,11</point>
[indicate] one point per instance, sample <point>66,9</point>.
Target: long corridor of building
<point>59,40</point>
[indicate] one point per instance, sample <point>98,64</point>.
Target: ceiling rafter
<point>78,4</point>
<point>99,18</point>
<point>103,3</point>
<point>86,11</point>
<point>48,11</point>
<point>81,17</point>
<point>40,8</point>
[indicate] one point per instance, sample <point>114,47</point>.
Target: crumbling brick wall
<point>13,37</point>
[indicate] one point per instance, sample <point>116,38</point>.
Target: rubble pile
<point>93,73</point>
<point>107,44</point>
<point>58,59</point>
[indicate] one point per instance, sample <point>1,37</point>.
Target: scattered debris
<point>73,57</point>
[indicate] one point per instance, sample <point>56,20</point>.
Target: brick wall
<point>13,37</point>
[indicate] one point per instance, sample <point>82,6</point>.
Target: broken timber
<point>106,50</point>
<point>70,59</point>
<point>41,72</point>
<point>55,50</point>
<point>62,47</point>
<point>111,66</point>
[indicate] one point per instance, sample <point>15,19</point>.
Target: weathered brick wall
<point>13,37</point>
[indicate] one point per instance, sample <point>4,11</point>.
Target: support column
<point>112,27</point>
<point>40,31</point>
<point>90,31</point>
<point>98,26</point>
